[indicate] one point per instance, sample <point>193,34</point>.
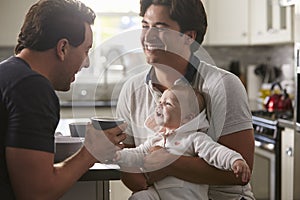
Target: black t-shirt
<point>29,114</point>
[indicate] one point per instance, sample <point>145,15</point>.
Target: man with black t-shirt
<point>52,47</point>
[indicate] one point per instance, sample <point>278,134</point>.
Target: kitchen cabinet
<point>12,17</point>
<point>248,22</point>
<point>227,25</point>
<point>287,163</point>
<point>290,164</point>
<point>270,22</point>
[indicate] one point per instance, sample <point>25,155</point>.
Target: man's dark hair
<point>189,14</point>
<point>48,21</point>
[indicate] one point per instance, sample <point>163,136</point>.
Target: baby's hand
<point>241,167</point>
<point>155,148</point>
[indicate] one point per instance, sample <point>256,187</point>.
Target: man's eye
<point>168,104</point>
<point>145,27</point>
<point>161,29</point>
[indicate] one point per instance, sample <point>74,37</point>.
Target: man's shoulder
<point>136,80</point>
<point>14,68</point>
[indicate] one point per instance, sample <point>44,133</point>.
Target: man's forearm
<point>134,181</point>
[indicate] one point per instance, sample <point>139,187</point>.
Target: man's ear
<point>190,36</point>
<point>62,48</point>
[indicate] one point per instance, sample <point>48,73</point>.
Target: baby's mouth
<point>158,114</point>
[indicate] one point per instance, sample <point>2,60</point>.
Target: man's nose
<point>151,33</point>
<point>159,105</point>
<point>86,62</point>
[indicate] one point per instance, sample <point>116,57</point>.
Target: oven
<point>266,178</point>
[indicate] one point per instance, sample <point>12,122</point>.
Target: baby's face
<point>168,111</point>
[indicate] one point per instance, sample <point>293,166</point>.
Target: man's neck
<point>37,60</point>
<point>167,74</point>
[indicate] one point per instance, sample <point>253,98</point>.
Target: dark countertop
<point>102,172</point>
<point>88,103</point>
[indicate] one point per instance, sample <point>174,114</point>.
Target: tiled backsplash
<point>252,55</point>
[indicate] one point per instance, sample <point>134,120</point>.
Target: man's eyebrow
<point>143,21</point>
<point>157,23</point>
<point>162,23</point>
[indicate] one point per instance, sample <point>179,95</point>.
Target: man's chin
<point>63,89</point>
<point>151,60</point>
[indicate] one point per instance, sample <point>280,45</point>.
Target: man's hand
<point>104,144</point>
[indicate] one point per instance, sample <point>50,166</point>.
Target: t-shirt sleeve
<point>33,109</point>
<point>123,111</point>
<point>230,110</point>
<point>238,114</point>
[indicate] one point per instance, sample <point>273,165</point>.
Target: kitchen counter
<point>88,103</point>
<point>102,172</point>
<point>286,123</point>
<point>95,183</point>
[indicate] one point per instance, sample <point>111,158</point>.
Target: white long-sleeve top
<point>188,140</point>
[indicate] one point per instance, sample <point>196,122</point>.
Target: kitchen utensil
<point>287,71</point>
<point>103,123</point>
<point>268,73</point>
<point>253,83</point>
<point>66,146</point>
<point>278,101</point>
<point>77,129</point>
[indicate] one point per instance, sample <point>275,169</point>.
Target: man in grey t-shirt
<point>172,32</point>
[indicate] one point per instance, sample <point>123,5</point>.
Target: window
<point>113,17</point>
<point>116,53</point>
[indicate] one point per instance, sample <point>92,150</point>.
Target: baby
<point>180,124</point>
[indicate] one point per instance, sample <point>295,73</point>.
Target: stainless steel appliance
<point>276,163</point>
<point>297,60</point>
<point>297,66</point>
<point>266,178</point>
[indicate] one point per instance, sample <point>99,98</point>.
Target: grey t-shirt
<point>226,99</point>
<point>227,108</point>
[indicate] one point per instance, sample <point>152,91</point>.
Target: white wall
<point>12,14</point>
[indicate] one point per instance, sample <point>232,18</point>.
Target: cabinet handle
<point>289,151</point>
<point>273,31</point>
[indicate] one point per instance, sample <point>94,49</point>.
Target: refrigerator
<point>296,144</point>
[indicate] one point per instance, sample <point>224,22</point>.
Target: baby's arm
<point>240,167</point>
<point>221,157</point>
<point>134,157</point>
